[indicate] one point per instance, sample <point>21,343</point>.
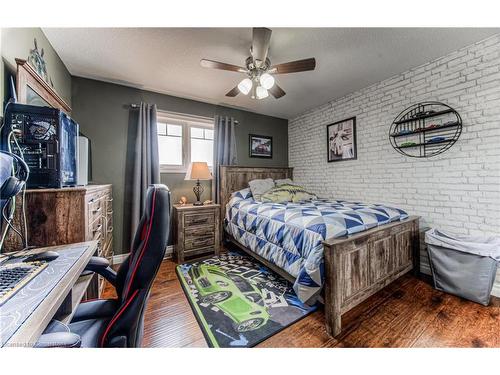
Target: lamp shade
<point>266,81</point>
<point>245,86</point>
<point>198,170</point>
<point>261,93</point>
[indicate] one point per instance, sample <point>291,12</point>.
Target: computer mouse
<point>46,256</point>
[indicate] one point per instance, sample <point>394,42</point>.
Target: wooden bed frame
<point>356,266</point>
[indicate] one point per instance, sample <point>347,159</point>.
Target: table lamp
<point>198,170</point>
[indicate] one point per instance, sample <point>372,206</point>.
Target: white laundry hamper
<point>465,266</point>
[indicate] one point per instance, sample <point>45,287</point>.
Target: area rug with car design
<point>237,301</point>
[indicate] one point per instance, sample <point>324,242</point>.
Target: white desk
<point>56,290</point>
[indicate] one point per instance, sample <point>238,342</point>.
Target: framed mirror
<point>33,90</point>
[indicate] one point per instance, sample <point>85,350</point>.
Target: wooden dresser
<point>196,231</point>
<point>68,215</point>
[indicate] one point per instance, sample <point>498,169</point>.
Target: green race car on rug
<point>237,301</point>
<point>235,296</point>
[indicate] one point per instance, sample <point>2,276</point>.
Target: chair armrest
<point>101,266</point>
<point>59,340</point>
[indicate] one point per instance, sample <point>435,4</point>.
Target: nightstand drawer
<point>204,218</point>
<point>199,241</point>
<point>198,231</point>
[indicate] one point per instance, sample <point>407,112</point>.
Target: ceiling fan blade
<point>222,66</point>
<point>277,91</point>
<point>233,92</point>
<point>260,44</point>
<point>294,66</point>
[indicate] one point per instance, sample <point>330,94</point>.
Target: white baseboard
<point>120,258</point>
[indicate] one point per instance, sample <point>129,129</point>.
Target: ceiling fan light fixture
<point>260,81</point>
<point>266,81</point>
<point>261,92</point>
<point>245,86</point>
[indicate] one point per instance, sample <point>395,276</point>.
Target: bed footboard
<point>360,265</point>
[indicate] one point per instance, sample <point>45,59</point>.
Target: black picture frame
<point>340,151</point>
<point>266,151</point>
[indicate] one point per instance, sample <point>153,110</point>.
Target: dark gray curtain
<point>224,149</point>
<point>146,163</point>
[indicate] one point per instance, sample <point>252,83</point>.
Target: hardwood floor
<point>407,313</point>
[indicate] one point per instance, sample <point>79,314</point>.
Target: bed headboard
<point>234,178</point>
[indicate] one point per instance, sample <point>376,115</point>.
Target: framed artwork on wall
<point>341,140</point>
<point>261,146</point>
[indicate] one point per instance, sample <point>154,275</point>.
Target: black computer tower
<point>48,139</point>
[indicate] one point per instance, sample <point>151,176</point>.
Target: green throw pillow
<point>287,193</point>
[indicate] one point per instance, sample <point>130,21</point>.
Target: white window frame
<point>187,122</point>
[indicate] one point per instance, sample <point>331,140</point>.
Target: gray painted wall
<point>17,43</point>
<point>102,111</point>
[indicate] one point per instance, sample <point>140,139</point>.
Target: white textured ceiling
<point>166,60</point>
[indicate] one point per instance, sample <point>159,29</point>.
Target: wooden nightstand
<point>196,231</point>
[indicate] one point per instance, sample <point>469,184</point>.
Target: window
<point>202,145</point>
<point>183,139</point>
<point>170,144</point>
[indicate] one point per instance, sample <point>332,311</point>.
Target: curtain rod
<point>135,106</point>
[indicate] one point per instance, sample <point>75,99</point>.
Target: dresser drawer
<point>96,207</point>
<point>96,229</point>
<point>109,221</point>
<point>108,250</point>
<point>100,244</point>
<point>194,219</point>
<point>100,248</point>
<point>195,242</point>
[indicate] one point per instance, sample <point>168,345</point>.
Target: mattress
<point>290,235</point>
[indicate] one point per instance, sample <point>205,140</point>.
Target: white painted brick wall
<point>458,190</point>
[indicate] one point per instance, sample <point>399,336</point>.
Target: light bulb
<point>261,92</point>
<point>245,86</point>
<point>266,81</point>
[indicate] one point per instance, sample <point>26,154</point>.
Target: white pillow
<point>259,187</point>
<point>283,182</point>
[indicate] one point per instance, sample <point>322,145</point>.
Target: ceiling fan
<point>260,81</point>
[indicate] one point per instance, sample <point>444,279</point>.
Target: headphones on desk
<point>14,184</point>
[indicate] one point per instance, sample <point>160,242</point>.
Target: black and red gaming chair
<point>119,323</point>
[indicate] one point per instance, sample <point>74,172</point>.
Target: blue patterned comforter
<point>290,235</point>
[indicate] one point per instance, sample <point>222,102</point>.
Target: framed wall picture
<point>341,140</point>
<point>261,146</point>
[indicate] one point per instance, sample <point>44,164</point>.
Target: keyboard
<point>13,276</point>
